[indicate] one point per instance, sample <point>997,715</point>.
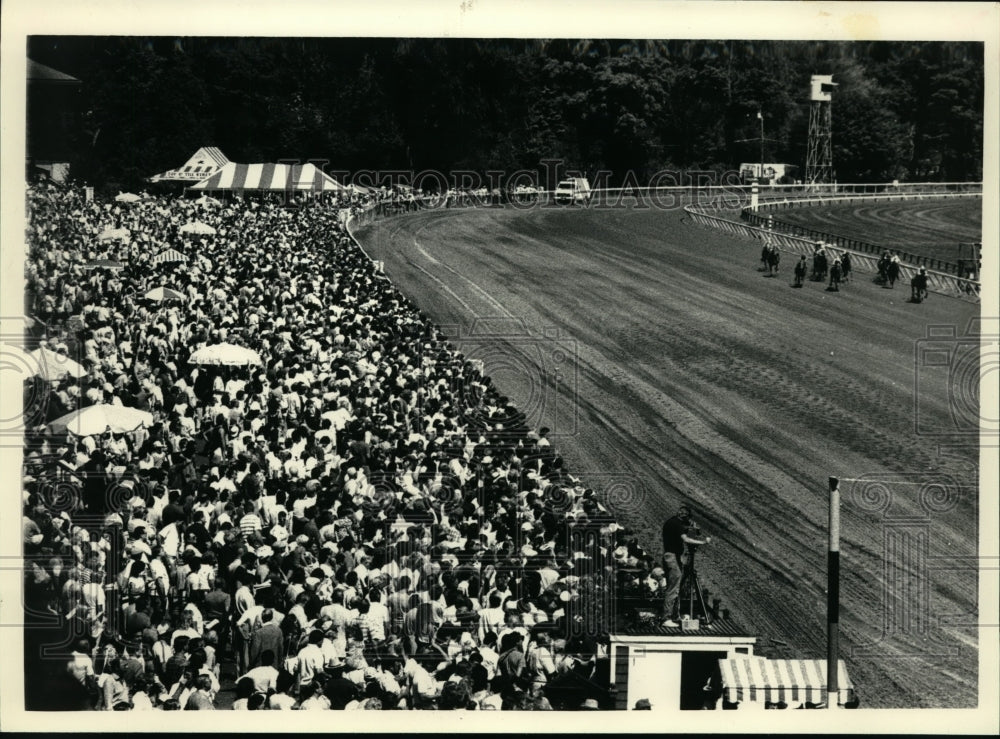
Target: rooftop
<point>722,627</point>
<point>39,72</point>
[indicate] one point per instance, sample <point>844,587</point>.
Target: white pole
<point>833,597</point>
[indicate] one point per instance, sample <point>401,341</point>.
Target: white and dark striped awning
<point>271,177</point>
<point>170,255</point>
<point>756,679</point>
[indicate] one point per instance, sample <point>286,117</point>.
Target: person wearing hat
<point>845,265</point>
<point>643,704</point>
<point>800,271</point>
<point>836,273</point>
<point>590,705</point>
<point>918,286</point>
<point>675,538</point>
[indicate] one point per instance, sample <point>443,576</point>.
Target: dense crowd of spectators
<point>361,521</point>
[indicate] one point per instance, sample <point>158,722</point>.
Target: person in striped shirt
<point>250,524</point>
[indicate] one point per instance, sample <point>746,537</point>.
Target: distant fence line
<point>937,281</point>
<point>962,268</point>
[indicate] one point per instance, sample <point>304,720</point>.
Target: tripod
<point>690,592</point>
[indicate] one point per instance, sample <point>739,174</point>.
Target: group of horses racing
<point>839,269</point>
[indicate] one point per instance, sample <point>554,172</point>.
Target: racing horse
<point>883,268</point>
<point>892,272</point>
<point>845,266</point>
<point>836,272</point>
<point>820,266</point>
<point>773,258</point>
<point>800,271</point>
<point>918,286</point>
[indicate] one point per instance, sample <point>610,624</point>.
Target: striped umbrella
<point>164,293</point>
<point>170,255</point>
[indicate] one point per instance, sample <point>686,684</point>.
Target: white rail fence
<point>938,282</point>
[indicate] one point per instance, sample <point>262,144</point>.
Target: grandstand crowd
<point>361,521</point>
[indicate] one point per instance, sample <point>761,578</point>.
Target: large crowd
<point>361,520</point>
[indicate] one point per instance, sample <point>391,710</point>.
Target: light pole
<point>760,115</point>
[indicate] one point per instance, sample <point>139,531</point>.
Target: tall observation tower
<point>819,157</point>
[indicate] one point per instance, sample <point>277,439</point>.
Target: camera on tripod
<point>693,538</point>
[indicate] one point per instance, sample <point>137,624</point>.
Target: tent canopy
<point>758,680</point>
<point>270,177</point>
<point>203,163</point>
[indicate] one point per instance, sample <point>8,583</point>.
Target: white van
<point>573,190</point>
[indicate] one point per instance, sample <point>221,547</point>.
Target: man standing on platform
<point>674,539</point>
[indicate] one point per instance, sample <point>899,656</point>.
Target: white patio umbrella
<point>197,227</point>
<point>225,354</point>
<point>104,264</point>
<point>164,293</point>
<point>50,365</point>
<point>113,233</point>
<point>96,419</point>
<point>206,200</point>
<point>127,197</point>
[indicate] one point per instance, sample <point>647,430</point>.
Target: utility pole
<point>760,177</point>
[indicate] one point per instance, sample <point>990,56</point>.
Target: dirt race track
<point>670,369</point>
<point>930,228</point>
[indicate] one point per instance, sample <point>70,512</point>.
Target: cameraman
<point>675,536</point>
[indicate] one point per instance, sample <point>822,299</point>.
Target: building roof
<point>42,73</point>
<point>719,627</point>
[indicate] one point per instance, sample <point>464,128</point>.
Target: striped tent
<point>170,255</point>
<point>203,163</point>
<point>270,177</point>
<point>756,679</point>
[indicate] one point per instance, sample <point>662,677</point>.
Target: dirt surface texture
<point>927,228</point>
<point>671,370</point>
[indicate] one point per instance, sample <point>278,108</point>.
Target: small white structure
<point>671,667</point>
<point>773,171</point>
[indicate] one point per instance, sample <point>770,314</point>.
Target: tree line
<point>910,111</point>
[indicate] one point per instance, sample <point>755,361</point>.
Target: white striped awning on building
<point>272,177</point>
<point>757,679</point>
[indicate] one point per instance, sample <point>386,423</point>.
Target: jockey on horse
<point>892,271</point>
<point>773,258</point>
<point>819,262</point>
<point>883,267</point>
<point>800,271</point>
<point>918,286</point>
<point>835,274</point>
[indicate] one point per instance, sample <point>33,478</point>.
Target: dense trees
<point>905,110</point>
